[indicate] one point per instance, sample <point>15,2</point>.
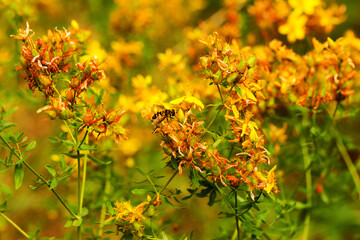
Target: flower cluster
<point>182,141</point>
<point>181,135</point>
<point>105,123</point>
<point>128,217</point>
<point>323,75</point>
<point>295,18</point>
<point>237,74</point>
<point>49,65</point>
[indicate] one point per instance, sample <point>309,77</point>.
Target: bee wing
<point>158,108</point>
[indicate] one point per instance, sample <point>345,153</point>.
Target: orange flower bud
<point>44,80</point>
<point>75,82</point>
<point>69,95</point>
<point>216,170</point>
<point>66,114</point>
<point>319,189</point>
<point>88,117</point>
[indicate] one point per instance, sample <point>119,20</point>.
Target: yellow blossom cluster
<point>323,75</point>
<point>128,217</point>
<point>296,18</point>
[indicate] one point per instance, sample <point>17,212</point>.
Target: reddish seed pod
<point>216,170</point>
<point>319,189</point>
<point>66,114</point>
<point>87,69</point>
<point>69,95</point>
<point>52,114</point>
<point>44,80</point>
<point>75,82</point>
<point>88,117</point>
<point>101,128</point>
<point>111,116</point>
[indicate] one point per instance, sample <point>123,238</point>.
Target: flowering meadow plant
<point>181,119</point>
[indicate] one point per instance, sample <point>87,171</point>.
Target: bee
<point>160,116</point>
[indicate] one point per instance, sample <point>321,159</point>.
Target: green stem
<point>105,198</point>
<point>237,217</point>
<point>69,131</point>
<point>218,112</point>
<point>349,163</point>
<point>15,225</point>
<point>212,121</point>
<point>42,179</point>
<point>55,193</point>
<point>162,189</point>
<point>152,184</point>
<point>222,99</point>
<point>308,180</point>
<point>81,189</point>
<point>221,193</point>
<point>168,182</point>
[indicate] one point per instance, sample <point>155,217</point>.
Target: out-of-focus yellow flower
<point>278,135</point>
<point>168,58</point>
<point>95,49</point>
<point>305,6</point>
<point>330,17</point>
<point>353,43</point>
<point>269,181</point>
<point>190,100</point>
<point>130,147</point>
<point>141,82</point>
<point>130,162</point>
<point>294,28</point>
<point>125,213</point>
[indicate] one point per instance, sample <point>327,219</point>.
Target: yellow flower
<point>95,49</point>
<point>305,6</point>
<point>125,212</point>
<point>188,100</point>
<point>141,82</point>
<point>269,180</point>
<point>168,58</point>
<point>295,26</point>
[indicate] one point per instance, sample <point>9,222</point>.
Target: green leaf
<point>68,223</point>
<point>238,90</point>
<point>194,175</point>
<point>214,104</point>
<point>138,191</point>
<point>110,208</point>
<point>62,162</point>
<point>164,237</point>
<point>4,124</point>
<point>191,235</point>
<point>18,175</point>
<point>169,203</point>
<point>87,147</point>
<point>84,212</point>
<point>212,198</point>
<point>19,136</point>
<point>140,171</point>
<point>12,139</point>
<point>30,146</point>
<point>74,156</point>
<point>24,139</point>
<point>95,160</point>
<point>51,170</point>
<point>183,237</point>
<point>77,222</point>
<point>68,143</point>
<point>217,142</point>
<point>54,183</point>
